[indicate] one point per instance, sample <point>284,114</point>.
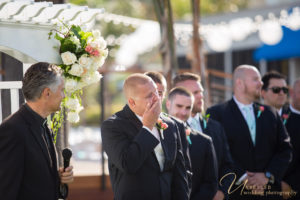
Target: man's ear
<point>46,92</point>
<point>131,102</point>
<point>263,93</point>
<point>168,105</point>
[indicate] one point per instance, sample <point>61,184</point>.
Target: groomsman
<point>258,141</point>
<point>291,119</point>
<point>209,127</point>
<point>274,90</point>
<point>274,93</point>
<point>144,151</point>
<point>202,152</point>
<point>161,84</point>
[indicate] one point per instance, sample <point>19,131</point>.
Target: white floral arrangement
<point>82,53</point>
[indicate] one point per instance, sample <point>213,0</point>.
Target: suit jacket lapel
<point>164,145</point>
<point>258,122</point>
<point>137,124</point>
<point>133,119</point>
<point>240,120</point>
<point>36,132</point>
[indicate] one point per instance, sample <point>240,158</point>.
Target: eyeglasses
<point>276,90</point>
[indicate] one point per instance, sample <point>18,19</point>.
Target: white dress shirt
<point>158,150</point>
<point>241,107</point>
<point>194,122</point>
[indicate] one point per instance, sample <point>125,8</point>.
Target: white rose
<point>72,104</point>
<point>68,58</point>
<point>91,78</point>
<point>73,117</point>
<point>71,85</point>
<point>104,53</point>
<point>101,43</point>
<point>75,40</point>
<point>85,61</point>
<point>95,77</point>
<point>76,70</point>
<point>96,34</point>
<point>89,40</point>
<point>94,45</point>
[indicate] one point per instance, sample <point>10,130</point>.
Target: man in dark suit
<point>258,141</point>
<point>201,149</point>
<point>145,161</point>
<point>291,118</point>
<point>274,92</point>
<point>161,85</point>
<point>28,169</point>
<point>209,127</point>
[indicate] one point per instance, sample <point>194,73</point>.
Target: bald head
<point>295,95</point>
<point>133,83</point>
<point>296,84</point>
<point>246,84</point>
<point>241,72</point>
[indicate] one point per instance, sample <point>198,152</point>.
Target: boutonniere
<point>285,118</point>
<point>188,133</point>
<point>261,109</point>
<point>162,126</point>
<point>205,120</point>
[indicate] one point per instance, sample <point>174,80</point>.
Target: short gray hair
<point>39,76</point>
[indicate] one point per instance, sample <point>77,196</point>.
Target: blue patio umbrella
<point>288,47</point>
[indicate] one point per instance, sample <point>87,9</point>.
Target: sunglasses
<point>276,90</point>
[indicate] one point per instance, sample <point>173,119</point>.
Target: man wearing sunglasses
<point>274,90</point>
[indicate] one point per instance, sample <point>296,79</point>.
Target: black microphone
<point>64,189</point>
<point>67,154</point>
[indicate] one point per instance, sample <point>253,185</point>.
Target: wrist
<point>270,177</point>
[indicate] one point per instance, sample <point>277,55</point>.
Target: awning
<point>288,47</point>
<point>25,24</point>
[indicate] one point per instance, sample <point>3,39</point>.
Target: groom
<point>145,162</point>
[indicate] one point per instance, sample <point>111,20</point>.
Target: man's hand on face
<point>152,111</point>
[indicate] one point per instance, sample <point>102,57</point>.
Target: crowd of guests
<point>239,149</point>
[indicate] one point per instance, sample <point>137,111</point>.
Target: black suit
<point>28,171</point>
<point>181,128</point>
<point>215,130</point>
<point>134,170</point>
<point>272,151</point>
<point>204,166</point>
<point>292,124</point>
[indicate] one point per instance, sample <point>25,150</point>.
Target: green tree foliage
<point>181,8</point>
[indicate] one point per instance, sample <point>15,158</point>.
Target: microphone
<point>64,189</point>
<point>67,154</point>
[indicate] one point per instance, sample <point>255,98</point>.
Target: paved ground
<point>90,194</point>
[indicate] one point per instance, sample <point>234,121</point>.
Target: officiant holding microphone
<point>28,161</point>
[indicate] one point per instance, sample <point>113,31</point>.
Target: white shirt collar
<point>294,110</point>
<point>196,117</point>
<point>139,117</point>
<point>241,105</point>
<point>280,111</point>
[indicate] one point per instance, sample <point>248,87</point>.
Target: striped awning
<point>24,27</point>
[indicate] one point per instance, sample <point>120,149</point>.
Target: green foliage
<point>67,45</point>
<point>181,8</point>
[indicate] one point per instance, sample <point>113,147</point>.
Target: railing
<point>14,87</point>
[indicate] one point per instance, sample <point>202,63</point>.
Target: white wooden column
<point>228,70</point>
<point>263,67</point>
<point>14,87</point>
<point>292,71</point>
